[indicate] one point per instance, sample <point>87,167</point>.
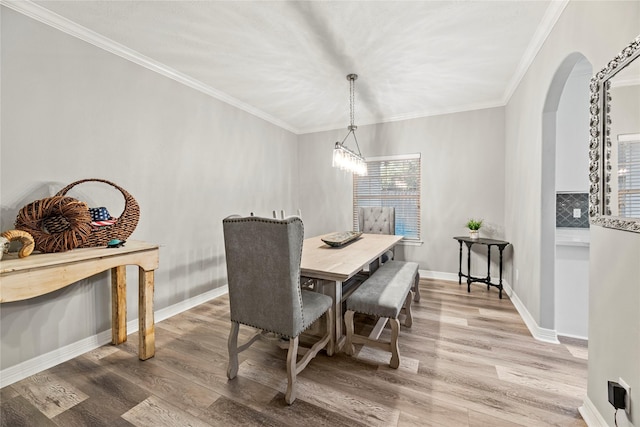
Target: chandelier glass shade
<point>343,157</point>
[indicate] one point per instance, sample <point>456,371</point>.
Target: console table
<point>40,274</point>
<point>500,244</point>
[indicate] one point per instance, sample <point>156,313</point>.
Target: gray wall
<point>598,30</point>
<point>572,137</point>
<point>614,317</point>
<point>72,111</point>
<point>462,177</point>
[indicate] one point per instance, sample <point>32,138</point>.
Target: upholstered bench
<point>384,294</point>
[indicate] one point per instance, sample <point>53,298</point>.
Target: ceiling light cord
<point>352,97</point>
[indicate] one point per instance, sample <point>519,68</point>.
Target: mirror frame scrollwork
<point>600,143</point>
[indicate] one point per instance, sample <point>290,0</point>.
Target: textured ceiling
<point>287,61</point>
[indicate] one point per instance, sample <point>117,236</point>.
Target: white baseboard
<point>590,414</point>
<point>580,337</point>
<point>539,333</point>
<point>185,305</point>
<point>438,275</point>
<point>30,367</point>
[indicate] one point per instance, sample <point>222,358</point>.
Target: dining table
<point>337,271</point>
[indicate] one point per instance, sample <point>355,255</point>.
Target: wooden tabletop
<point>42,273</point>
<point>481,240</point>
<point>322,261</point>
<point>11,263</point>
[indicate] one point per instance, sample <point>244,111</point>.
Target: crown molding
<point>551,16</point>
<point>409,116</point>
<point>45,16</point>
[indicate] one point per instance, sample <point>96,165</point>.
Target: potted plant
<point>474,226</point>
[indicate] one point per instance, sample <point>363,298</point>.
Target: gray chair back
<point>377,220</point>
<point>263,269</point>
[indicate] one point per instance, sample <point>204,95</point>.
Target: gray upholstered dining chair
<point>263,269</point>
<point>378,220</point>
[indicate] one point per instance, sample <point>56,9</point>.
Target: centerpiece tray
<point>341,238</point>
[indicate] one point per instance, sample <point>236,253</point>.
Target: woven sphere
<point>57,223</point>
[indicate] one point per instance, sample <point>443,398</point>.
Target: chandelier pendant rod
<point>352,104</point>
<point>343,157</point>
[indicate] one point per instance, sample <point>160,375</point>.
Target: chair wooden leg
<point>416,288</point>
<point>395,350</point>
<point>348,320</point>
<point>292,373</point>
<point>408,321</point>
<point>232,344</point>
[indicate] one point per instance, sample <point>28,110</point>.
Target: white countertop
<point>566,236</point>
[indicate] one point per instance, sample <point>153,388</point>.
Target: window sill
<point>410,243</point>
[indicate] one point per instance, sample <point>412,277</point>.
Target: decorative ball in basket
<point>62,223</point>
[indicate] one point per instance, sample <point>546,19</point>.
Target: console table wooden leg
<point>118,305</point>
<point>500,282</point>
<point>146,332</point>
<point>460,266</point>
<point>469,266</point>
<point>488,267</point>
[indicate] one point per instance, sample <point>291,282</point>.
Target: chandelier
<point>343,157</point>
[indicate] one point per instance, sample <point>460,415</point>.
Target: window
<point>391,181</point>
<point>629,175</point>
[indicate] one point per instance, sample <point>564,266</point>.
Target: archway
<point>575,66</point>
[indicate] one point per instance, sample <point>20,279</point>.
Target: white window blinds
<point>391,181</point>
<point>629,176</point>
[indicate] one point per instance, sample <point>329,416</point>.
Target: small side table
<point>500,244</point>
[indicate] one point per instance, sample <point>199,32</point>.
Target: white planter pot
<point>474,234</point>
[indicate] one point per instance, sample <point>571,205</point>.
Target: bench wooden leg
<point>395,350</point>
<point>408,321</point>
<point>416,288</point>
<point>348,320</point>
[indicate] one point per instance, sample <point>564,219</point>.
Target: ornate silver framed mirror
<point>614,146</point>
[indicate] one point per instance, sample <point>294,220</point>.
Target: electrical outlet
<point>577,213</point>
<point>627,397</point>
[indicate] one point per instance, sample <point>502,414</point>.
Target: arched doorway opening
<point>565,149</point>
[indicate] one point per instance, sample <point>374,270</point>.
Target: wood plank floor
<point>468,360</point>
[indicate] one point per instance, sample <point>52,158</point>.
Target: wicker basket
<point>56,223</point>
<point>125,223</point>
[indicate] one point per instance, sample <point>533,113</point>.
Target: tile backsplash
<point>566,203</point>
